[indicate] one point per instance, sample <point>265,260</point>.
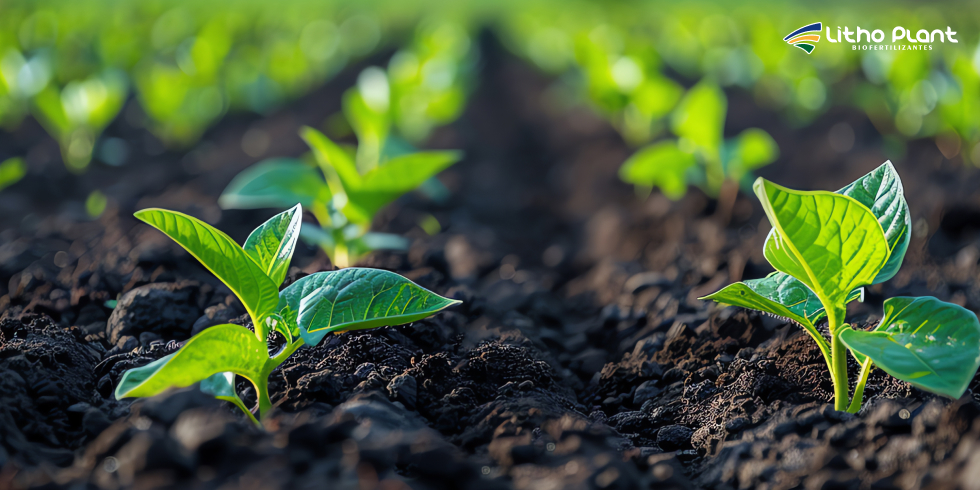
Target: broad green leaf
<point>881,191</point>
<point>271,245</point>
<point>224,258</point>
<point>663,165</point>
<point>275,183</point>
<point>778,294</point>
<point>830,242</point>
<point>355,299</point>
<point>929,343</point>
<point>332,157</point>
<point>700,117</point>
<point>386,183</point>
<point>219,349</point>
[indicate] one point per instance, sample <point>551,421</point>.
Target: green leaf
<point>881,191</point>
<point>778,294</point>
<point>663,165</point>
<point>11,171</point>
<point>355,299</point>
<point>275,183</point>
<point>219,349</point>
<point>929,343</point>
<point>271,245</point>
<point>220,386</point>
<point>830,242</point>
<point>224,258</point>
<point>754,149</point>
<point>388,182</point>
<point>700,117</point>
<point>331,157</point>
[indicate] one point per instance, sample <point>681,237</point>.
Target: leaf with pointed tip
<point>778,294</point>
<point>271,245</point>
<point>330,156</point>
<point>355,299</point>
<point>832,243</point>
<point>389,181</point>
<point>882,192</point>
<point>929,343</point>
<point>224,258</point>
<point>218,349</point>
<point>275,183</point>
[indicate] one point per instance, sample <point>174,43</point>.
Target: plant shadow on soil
<point>580,357</point>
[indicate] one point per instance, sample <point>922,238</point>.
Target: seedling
<point>701,155</point>
<point>302,313</point>
<point>826,247</point>
<point>342,198</point>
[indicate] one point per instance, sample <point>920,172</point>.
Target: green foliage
<point>303,313</point>
<point>701,155</point>
<point>825,247</point>
<point>11,171</point>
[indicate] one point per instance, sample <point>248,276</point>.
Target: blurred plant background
<point>659,72</point>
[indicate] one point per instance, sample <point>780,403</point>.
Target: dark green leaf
<point>882,192</point>
<point>271,245</point>
<point>929,343</point>
<point>355,299</point>
<point>275,183</point>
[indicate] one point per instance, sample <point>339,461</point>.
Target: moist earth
<point>580,357</point>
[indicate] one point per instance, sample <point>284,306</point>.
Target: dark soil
<point>580,357</point>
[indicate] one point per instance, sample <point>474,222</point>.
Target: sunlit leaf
<point>830,242</point>
<point>355,299</point>
<point>224,258</point>
<point>700,117</point>
<point>222,348</point>
<point>271,245</point>
<point>663,165</point>
<point>929,343</point>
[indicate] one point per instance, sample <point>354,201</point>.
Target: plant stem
<point>262,392</point>
<point>839,358</point>
<point>859,389</point>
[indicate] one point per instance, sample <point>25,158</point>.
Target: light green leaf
<point>219,349</point>
<point>931,344</point>
<point>12,170</point>
<point>355,299</point>
<point>271,245</point>
<point>224,258</point>
<point>882,192</point>
<point>830,242</point>
<point>332,158</point>
<point>700,117</point>
<point>663,165</point>
<point>754,149</point>
<point>386,183</point>
<point>275,183</point>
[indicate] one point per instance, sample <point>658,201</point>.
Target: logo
<point>805,37</point>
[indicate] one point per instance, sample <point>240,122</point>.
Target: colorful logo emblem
<point>805,37</point>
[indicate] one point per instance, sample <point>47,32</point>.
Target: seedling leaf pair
<point>825,247</point>
<point>304,312</point>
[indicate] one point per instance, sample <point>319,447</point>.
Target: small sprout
<point>95,204</point>
<point>826,247</point>
<point>302,313</point>
<point>11,171</point>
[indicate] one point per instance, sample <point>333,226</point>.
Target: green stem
<point>321,214</point>
<point>262,392</point>
<point>838,353</point>
<point>238,403</point>
<point>286,352</point>
<point>859,389</point>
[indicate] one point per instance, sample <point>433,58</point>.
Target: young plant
<point>701,155</point>
<point>342,198</point>
<point>826,246</point>
<point>302,313</point>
